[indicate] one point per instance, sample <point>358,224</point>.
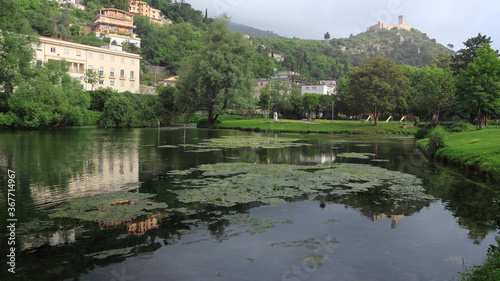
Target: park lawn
<point>319,126</point>
<point>476,149</point>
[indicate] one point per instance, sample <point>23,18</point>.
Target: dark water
<point>328,237</point>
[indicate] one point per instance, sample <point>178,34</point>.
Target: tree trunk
<point>375,116</point>
<point>479,119</point>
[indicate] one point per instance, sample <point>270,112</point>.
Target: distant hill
<point>253,32</point>
<point>404,46</point>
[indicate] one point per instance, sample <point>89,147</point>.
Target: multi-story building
<point>142,8</point>
<point>318,89</point>
<point>117,69</point>
<point>117,25</point>
<point>381,25</point>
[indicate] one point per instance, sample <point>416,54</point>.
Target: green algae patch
<point>313,244</point>
<point>245,142</point>
<point>113,206</point>
<point>355,155</point>
<point>230,184</point>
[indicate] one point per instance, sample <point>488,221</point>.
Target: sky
<point>447,21</point>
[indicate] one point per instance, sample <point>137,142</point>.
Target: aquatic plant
<point>230,184</point>
<point>113,206</point>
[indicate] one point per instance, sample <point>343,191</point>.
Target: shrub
<point>458,127</point>
<point>421,134</point>
<point>437,139</point>
<point>489,270</point>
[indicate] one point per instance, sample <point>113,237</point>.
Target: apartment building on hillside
<point>118,70</point>
<point>142,8</point>
<point>116,24</point>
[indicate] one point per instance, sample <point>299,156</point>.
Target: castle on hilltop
<point>380,25</point>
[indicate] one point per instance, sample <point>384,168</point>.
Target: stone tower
<point>402,21</point>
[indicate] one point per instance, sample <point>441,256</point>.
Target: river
<point>189,204</point>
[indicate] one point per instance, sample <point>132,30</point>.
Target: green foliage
<point>432,90</point>
<point>51,98</point>
<point>489,270</point>
<point>219,77</point>
<point>437,139</point>
<point>478,85</point>
<point>167,45</point>
<point>310,103</point>
<point>253,32</point>
<point>118,112</point>
<point>466,55</point>
<point>458,127</point>
<point>379,85</point>
<point>421,134</point>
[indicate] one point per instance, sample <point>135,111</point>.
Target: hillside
<point>248,30</point>
<point>319,59</point>
<point>405,47</point>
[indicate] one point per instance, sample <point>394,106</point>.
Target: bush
<point>203,123</point>
<point>458,127</point>
<point>489,270</point>
<point>421,134</point>
<point>437,139</point>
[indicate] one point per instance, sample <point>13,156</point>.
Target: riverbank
<point>320,127</point>
<point>476,151</point>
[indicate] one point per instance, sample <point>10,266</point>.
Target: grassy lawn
<point>319,126</point>
<point>479,149</point>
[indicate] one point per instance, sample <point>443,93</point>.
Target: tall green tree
<point>380,85</point>
<point>219,77</point>
<point>310,102</point>
<point>478,85</point>
<point>432,90</point>
<point>466,55</point>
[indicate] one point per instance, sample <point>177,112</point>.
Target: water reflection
<point>55,166</point>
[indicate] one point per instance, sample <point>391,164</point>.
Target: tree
<point>50,98</point>
<point>432,90</point>
<point>466,55</point>
<point>118,112</point>
<point>91,76</point>
<point>478,85</point>
<point>219,77</point>
<point>380,85</point>
<point>310,102</point>
<point>16,45</point>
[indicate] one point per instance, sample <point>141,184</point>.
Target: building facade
<point>142,8</point>
<point>318,89</point>
<point>117,69</point>
<point>117,25</point>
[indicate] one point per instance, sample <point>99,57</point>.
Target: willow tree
<point>379,85</point>
<point>219,77</point>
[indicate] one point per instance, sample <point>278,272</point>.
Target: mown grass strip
<point>318,126</point>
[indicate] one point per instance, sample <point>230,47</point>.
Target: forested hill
<point>320,59</point>
<point>405,47</point>
<point>248,30</point>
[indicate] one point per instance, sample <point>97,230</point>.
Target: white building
<point>318,89</point>
<point>118,70</point>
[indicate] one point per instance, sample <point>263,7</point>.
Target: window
<point>112,59</point>
<point>122,60</point>
<point>38,62</point>
<point>132,75</point>
<point>112,73</point>
<point>122,74</point>
<point>52,49</point>
<point>122,84</point>
<point>78,53</point>
<point>101,57</point>
<point>112,83</point>
<point>91,55</point>
<point>39,47</point>
<point>307,88</point>
<point>314,88</point>
<point>90,67</point>
<point>132,62</point>
<point>101,82</point>
<point>66,52</point>
<point>132,85</point>
<point>101,71</point>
